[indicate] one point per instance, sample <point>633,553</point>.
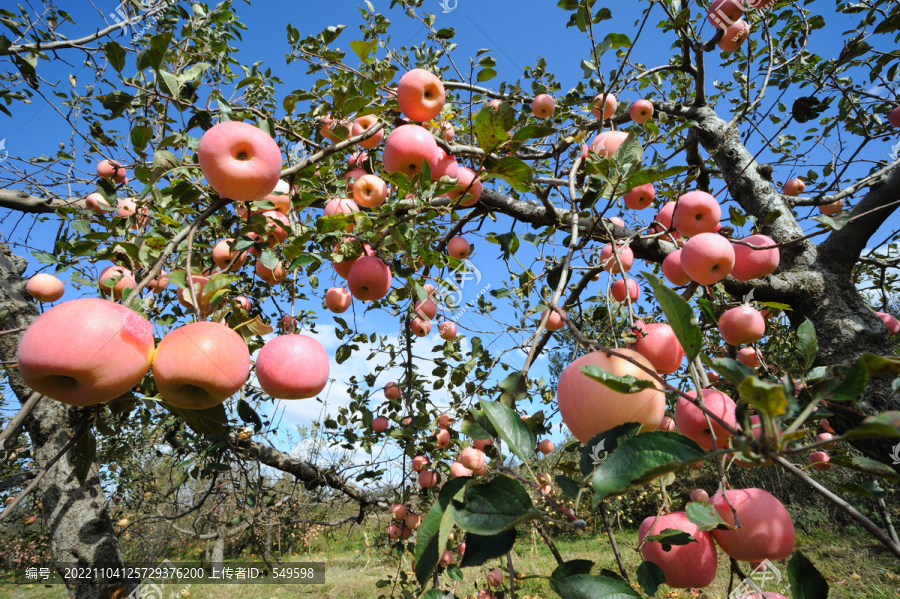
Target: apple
<point>342,206</point>
<point>369,279</point>
<point>398,511</point>
<point>832,208</point>
<point>543,106</point>
<point>392,391</point>
<point>443,438</point>
<point>554,321</point>
<point>546,446</point>
<point>407,147</point>
<point>544,478</point>
<point>126,207</point>
<point>482,443</point>
<point>707,258</point>
<point>696,212</point>
<point>420,95</point>
<point>457,470</point>
<point>699,496</point>
<point>352,175</point>
<point>444,421</point>
<point>495,577</point>
<point>201,364</point>
<point>617,289</point>
<point>448,133</point>
<point>420,462</point>
<point>288,323</point>
<point>158,284</point>
<point>793,188</point>
<point>691,420</point>
<point>344,266</point>
<point>240,161</point>
<point>45,288</point>
<point>664,217</point>
<point>461,549</point>
<point>361,125</point>
<point>747,356</point>
<point>685,566</point>
<point>825,437</point>
<point>370,191</point>
<point>327,128</point>
<point>426,310</point>
<point>85,351</point>
<point>110,169</point>
<point>29,520</point>
<point>820,460</point>
<point>766,532</point>
<point>446,558</point>
<point>617,221</point>
<point>673,271</point>
<point>610,264</point>
<point>893,326</point>
<point>659,345</point>
<point>735,36</point>
<point>742,325</point>
<point>278,227</point>
<point>640,197</point>
<point>223,255</point>
<point>97,203</point>
<point>589,408</point>
<point>459,248</point>
<point>894,117</point>
<point>468,182</point>
<point>380,424</point>
<point>115,280</point>
<point>292,367</point>
<point>485,594</point>
<point>272,276</point>
<point>244,302</point>
<point>420,327</point>
<point>338,300</point>
<point>641,111</point>
<point>280,197</point>
<point>406,421</point>
<point>752,264</point>
<point>723,13</point>
<point>413,521</point>
<point>471,458</point>
<point>608,142</point>
<point>395,531</point>
<point>447,330</point>
<point>427,479</point>
<point>667,424</point>
<point>447,166</point>
<point>609,106</point>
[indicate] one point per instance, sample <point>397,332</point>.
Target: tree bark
<point>218,553</point>
<point>81,533</point>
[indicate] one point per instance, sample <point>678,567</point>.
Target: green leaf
<point>679,315</point>
<point>486,74</point>
<point>532,132</point>
<point>248,414</point>
<point>342,354</point>
<point>511,428</point>
<point>568,486</point>
<point>212,421</point>
<point>81,456</point>
<point>843,382</point>
<point>806,581</point>
<point>363,49</point>
<point>435,528</point>
<point>514,387</point>
<point>768,398</point>
<point>476,425</point>
<point>492,126</point>
<point>493,506</point>
<point>886,424</point>
<point>733,371</point>
<point>880,365</point>
<point>642,458</point>
<point>141,136</point>
<point>705,516</point>
<point>868,466</point>
<point>163,162</point>
<point>115,54</point>
<point>590,586</point>
<point>867,489</point>
<point>605,442</point>
<point>650,577</point>
<point>669,537</point>
<point>513,171</point>
<point>169,83</point>
<point>807,347</point>
<point>619,384</point>
<point>44,257</point>
<point>158,46</point>
<point>480,548</point>
<point>454,572</point>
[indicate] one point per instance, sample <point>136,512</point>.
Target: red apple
<point>610,264</point>
<point>707,258</point>
<point>395,531</point>
<point>546,446</point>
<point>640,197</point>
<point>351,176</point>
<point>589,408</point>
<point>742,325</point>
<point>893,326</point>
<point>495,577</point>
<point>115,280</point>
<point>413,521</point>
<point>825,437</point>
<point>292,367</point>
<point>280,197</point>
<point>420,327</point>
<point>894,117</point>
<point>820,460</point>
<point>685,566</point>
<point>200,365</point>
<point>752,264</point>
<point>482,443</point>
<point>370,191</point>
<point>832,208</point>
<point>609,106</point>
<point>673,270</point>
<point>471,458</point>
<point>97,203</point>
<point>427,479</point>
<point>766,532</point>
<point>447,330</point>
<point>747,356</point>
<point>543,106</point>
<point>278,227</point>
<point>794,187</point>
<point>361,125</point>
<point>407,147</point>
<point>244,302</point>
<point>110,169</point>
<point>554,321</point>
<point>735,36</point>
<point>343,267</point>
<point>85,351</point>
<point>696,212</point>
<point>272,276</point>
<point>617,221</point>
<point>338,300</point>
<point>420,462</point>
<point>444,421</point>
<point>459,248</point>
<point>608,142</point>
<point>45,288</point>
<point>420,95</point>
<point>660,346</point>
<point>380,424</point>
<point>468,182</point>
<point>426,310</point>
<point>392,391</point>
<point>443,438</point>
<point>723,13</point>
<point>699,496</point>
<point>664,217</point>
<point>617,289</point>
<point>447,166</point>
<point>240,161</point>
<point>398,511</point>
<point>667,424</point>
<point>457,470</point>
<point>641,111</point>
<point>691,420</point>
<point>446,558</point>
<point>223,254</point>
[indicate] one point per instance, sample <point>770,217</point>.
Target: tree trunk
<point>267,545</point>
<point>218,554</point>
<point>80,529</point>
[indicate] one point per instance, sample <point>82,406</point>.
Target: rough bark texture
<point>75,515</point>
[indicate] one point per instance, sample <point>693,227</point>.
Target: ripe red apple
<point>426,310</point>
<point>110,169</point>
<point>820,460</point>
<point>617,289</point>
<point>588,407</point>
<point>277,227</point>
<point>461,549</point>
<point>832,208</point>
<point>685,566</point>
<point>200,365</point>
<point>420,95</point>
<point>747,356</point>
<point>244,302</point>
<point>420,462</point>
<point>351,176</point>
<point>223,254</point>
<point>766,532</point>
<point>159,283</point>
<point>338,300</point>
<point>457,470</point>
<point>641,111</point>
<point>446,558</point>
<point>554,321</point>
<point>691,420</point>
<point>443,438</point>
<point>660,346</point>
<point>288,323</point>
<point>343,267</point>
<point>406,147</point>
<point>361,125</point>
<point>894,117</point>
<point>640,197</point>
<point>752,264</point>
<point>272,276</point>
<point>447,330</point>
<point>85,351</point>
<point>723,13</point>
<point>495,577</point>
<point>608,106</point>
<point>45,288</point>
<point>482,443</point>
<point>742,325</point>
<point>735,36</point>
<point>825,437</point>
<point>794,187</point>
<point>667,424</point>
<point>370,191</point>
<point>380,424</point>
<point>471,458</point>
<point>395,531</point>
<point>97,203</point>
<point>707,258</point>
<point>610,264</point>
<point>699,496</point>
<point>696,212</point>
<point>413,521</point>
<point>447,166</point>
<point>608,142</point>
<point>543,106</point>
<point>115,280</point>
<point>665,217</point>
<point>240,161</point>
<point>468,182</point>
<point>546,446</point>
<point>280,197</point>
<point>673,271</point>
<point>427,479</point>
<point>392,391</point>
<point>617,221</point>
<point>369,279</point>
<point>328,127</point>
<point>420,327</point>
<point>444,421</point>
<point>459,248</point>
<point>292,367</point>
<point>893,326</point>
<point>399,511</point>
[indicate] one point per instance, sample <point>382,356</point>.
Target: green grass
<point>855,566</point>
